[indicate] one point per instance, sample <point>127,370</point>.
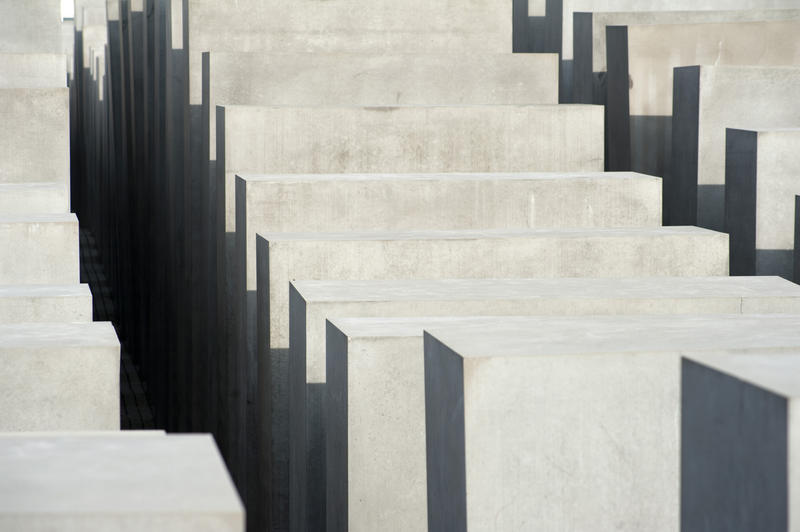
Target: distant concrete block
<point>740,438</point>
<point>45,303</point>
<point>99,482</point>
<point>33,26</point>
<point>59,376</point>
<point>761,170</point>
<point>32,71</point>
<point>568,423</point>
<point>707,101</point>
<point>39,249</point>
<point>27,198</point>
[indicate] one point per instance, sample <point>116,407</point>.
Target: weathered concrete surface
<point>740,440</point>
<point>761,169</point>
<point>32,71</point>
<point>518,402</point>
<point>439,254</point>
<point>109,482</point>
<point>45,303</point>
<point>39,249</point>
<point>59,376</point>
<point>24,198</point>
<point>712,99</point>
<point>33,26</point>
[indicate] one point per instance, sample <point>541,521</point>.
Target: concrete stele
<point>45,303</point>
<point>32,71</point>
<point>39,249</point>
<point>40,198</point>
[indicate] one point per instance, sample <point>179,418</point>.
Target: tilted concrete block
<point>740,438</point>
<point>127,481</point>
<point>59,376</point>
<point>709,100</point>
<point>45,303</point>
<point>761,169</point>
<point>38,198</point>
<point>39,249</point>
<point>568,423</point>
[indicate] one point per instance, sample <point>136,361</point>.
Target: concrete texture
<point>714,98</point>
<point>78,483</point>
<point>518,403</point>
<point>33,26</point>
<point>761,180</point>
<point>796,238</point>
<point>45,303</point>
<point>739,443</point>
<point>24,198</point>
<point>429,255</point>
<point>39,249</point>
<point>32,71</point>
<point>59,376</point>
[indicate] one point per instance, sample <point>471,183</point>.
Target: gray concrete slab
<point>429,255</point>
<point>761,169</point>
<point>712,99</point>
<point>312,302</point>
<point>45,303</point>
<point>59,376</point>
<point>39,249</point>
<point>739,441</point>
<point>32,71</point>
<point>600,398</point>
<point>33,26</point>
<point>72,482</point>
<point>22,198</point>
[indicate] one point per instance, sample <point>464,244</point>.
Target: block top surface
<point>776,372</point>
<point>570,287</point>
<point>47,335</point>
<point>45,290</point>
<point>249,109</point>
<point>38,218</point>
<point>109,474</point>
<point>523,337</point>
<point>653,232</point>
<point>29,187</point>
<point>455,176</point>
<point>403,327</point>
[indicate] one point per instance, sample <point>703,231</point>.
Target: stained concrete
<point>92,483</point>
<point>518,403</point>
<point>59,376</point>
<point>39,249</point>
<point>739,442</point>
<point>22,198</point>
<point>45,303</point>
<point>761,180</point>
<point>715,98</point>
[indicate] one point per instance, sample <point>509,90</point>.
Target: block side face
<point>39,253</point>
<point>445,437</point>
<point>797,239</point>
<point>681,187</point>
<point>741,157</point>
<point>298,416</point>
<point>794,465</point>
<point>582,65</point>
<point>733,453</point>
<point>617,108</point>
<point>336,443</point>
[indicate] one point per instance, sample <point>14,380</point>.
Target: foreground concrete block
<point>45,303</point>
<point>440,254</point>
<point>59,376</point>
<point>32,71</point>
<point>511,406</point>
<point>707,101</point>
<point>27,198</point>
<point>761,169</point>
<point>99,482</point>
<point>39,249</point>
<point>740,437</point>
<point>33,26</point>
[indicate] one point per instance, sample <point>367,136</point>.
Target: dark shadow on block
<point>618,133</point>
<point>741,152</point>
<point>797,239</point>
<point>680,190</point>
<point>778,262</point>
<point>711,206</point>
<point>336,443</point>
<point>583,57</point>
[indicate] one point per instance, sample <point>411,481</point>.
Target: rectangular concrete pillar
<point>59,376</point>
<point>430,255</point>
<point>39,249</point>
<point>511,407</point>
<point>116,482</point>
<point>761,169</point>
<point>27,198</point>
<point>707,101</point>
<point>739,442</point>
<point>45,303</point>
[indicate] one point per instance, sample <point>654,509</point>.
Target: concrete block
<point>312,302</point>
<point>710,99</point>
<point>281,257</point>
<point>33,26</point>
<point>104,482</point>
<point>797,239</point>
<point>32,71</point>
<point>640,60</point>
<point>39,249</point>
<point>26,198</point>
<point>761,169</point>
<point>59,376</point>
<point>45,303</point>
<point>740,437</point>
<point>568,423</point>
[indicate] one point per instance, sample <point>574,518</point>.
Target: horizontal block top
<point>454,176</point>
<point>775,372</point>
<point>45,290</point>
<point>522,336</point>
<point>79,476</point>
<point>68,218</point>
<point>575,287</point>
<point>656,232</point>
<point>55,335</point>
